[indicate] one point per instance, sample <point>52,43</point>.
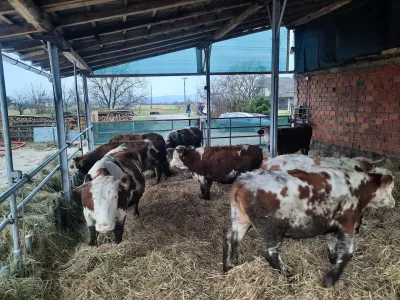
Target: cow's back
<point>224,164</point>
<point>294,138</point>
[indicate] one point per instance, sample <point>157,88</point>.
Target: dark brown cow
<point>304,204</point>
<point>112,185</point>
<point>290,140</point>
<point>147,153</point>
<point>221,164</point>
<point>158,142</point>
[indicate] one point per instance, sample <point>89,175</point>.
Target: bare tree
<point>112,92</point>
<point>38,96</point>
<point>66,96</point>
<point>20,100</point>
<point>234,92</point>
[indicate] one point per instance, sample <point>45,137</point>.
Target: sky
<point>17,78</point>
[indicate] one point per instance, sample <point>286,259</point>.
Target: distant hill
<point>172,99</point>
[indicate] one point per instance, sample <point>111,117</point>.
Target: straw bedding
<point>174,251</point>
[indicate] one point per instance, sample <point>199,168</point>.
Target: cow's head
<point>264,132</point>
<point>368,165</point>
<point>105,196</point>
<point>178,156</point>
<point>383,196</point>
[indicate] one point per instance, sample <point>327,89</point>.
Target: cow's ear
<point>358,169</point>
<point>260,132</point>
<point>125,181</point>
<point>386,179</point>
<point>180,149</point>
<point>88,178</point>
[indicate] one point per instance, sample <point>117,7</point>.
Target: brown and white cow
<point>294,161</point>
<point>147,153</point>
<point>303,204</point>
<point>111,186</point>
<point>158,142</point>
<point>290,140</point>
<point>221,164</point>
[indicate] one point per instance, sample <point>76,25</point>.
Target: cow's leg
<point>159,170</point>
<point>153,173</point>
<point>205,187</point>
<point>331,240</point>
<point>137,209</point>
<point>357,229</point>
<point>343,255</point>
<point>231,242</point>
<point>119,231</point>
<point>272,244</point>
<point>93,236</point>
<point>166,169</point>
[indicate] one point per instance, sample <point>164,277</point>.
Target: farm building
<point>346,73</point>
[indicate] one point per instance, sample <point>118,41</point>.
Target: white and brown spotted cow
<point>111,186</point>
<point>221,164</point>
<point>148,157</point>
<point>303,204</point>
<point>294,161</point>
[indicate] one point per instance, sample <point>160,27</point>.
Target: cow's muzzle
<point>105,228</point>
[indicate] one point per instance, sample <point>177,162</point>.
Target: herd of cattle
<point>289,196</point>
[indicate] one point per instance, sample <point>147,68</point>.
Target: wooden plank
<point>236,21</point>
<point>136,9</point>
<point>21,46</point>
<point>131,25</point>
<point>159,30</point>
<point>32,55</point>
<point>14,30</point>
<point>65,5</point>
<point>5,19</point>
<point>33,15</point>
<point>314,15</point>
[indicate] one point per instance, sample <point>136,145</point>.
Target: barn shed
<point>347,70</point>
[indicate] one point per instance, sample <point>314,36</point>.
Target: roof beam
<point>236,21</point>
<point>143,33</point>
<point>33,15</point>
<point>323,11</point>
<point>14,30</point>
<point>131,25</point>
<point>135,9</point>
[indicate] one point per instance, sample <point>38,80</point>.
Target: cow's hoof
<point>329,279</point>
<point>332,258</point>
<point>207,197</point>
<point>93,244</point>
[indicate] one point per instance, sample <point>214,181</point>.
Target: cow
<point>189,136</point>
<point>290,140</point>
<point>112,185</point>
<point>158,142</point>
<point>293,161</point>
<point>148,155</point>
<point>221,164</point>
<point>303,204</point>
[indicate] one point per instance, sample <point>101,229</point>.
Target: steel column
<point>78,111</point>
<point>89,135</point>
<point>58,107</point>
<point>10,168</point>
<point>207,51</point>
<point>276,16</point>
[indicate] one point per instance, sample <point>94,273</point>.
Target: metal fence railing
<point>224,131</point>
<point>23,179</point>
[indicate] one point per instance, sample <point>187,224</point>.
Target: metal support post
<point>87,113</point>
<point>207,51</point>
<point>18,267</point>
<point>276,16</point>
<point>78,110</point>
<point>58,106</point>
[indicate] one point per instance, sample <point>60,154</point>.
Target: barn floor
<point>174,251</point>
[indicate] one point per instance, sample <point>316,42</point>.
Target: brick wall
<point>357,109</point>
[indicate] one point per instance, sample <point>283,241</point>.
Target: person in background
<point>188,110</point>
<point>199,109</point>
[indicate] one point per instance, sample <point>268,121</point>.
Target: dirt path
<point>25,159</point>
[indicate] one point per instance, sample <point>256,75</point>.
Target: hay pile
<point>174,251</point>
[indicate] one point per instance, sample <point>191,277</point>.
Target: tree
<point>259,104</point>
<point>234,92</point>
<point>20,100</point>
<point>66,96</point>
<point>112,92</point>
<point>38,96</point>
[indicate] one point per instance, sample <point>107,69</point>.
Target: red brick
<point>360,120</point>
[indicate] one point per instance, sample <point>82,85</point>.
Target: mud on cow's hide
<point>189,136</point>
<point>303,204</point>
<point>111,186</point>
<point>221,164</point>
